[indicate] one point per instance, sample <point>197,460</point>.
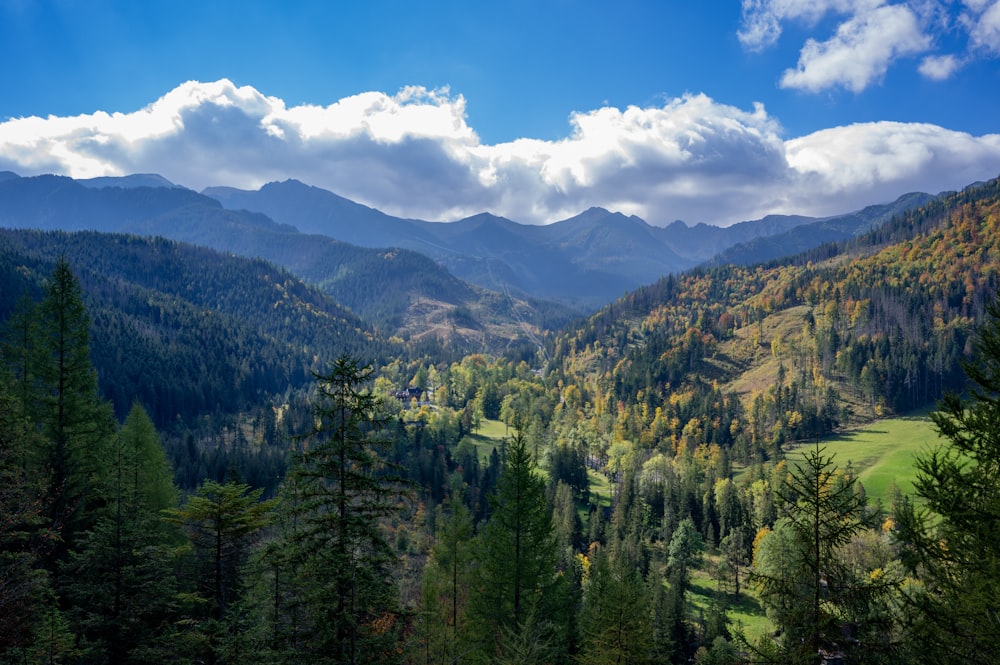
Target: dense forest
<point>205,460</point>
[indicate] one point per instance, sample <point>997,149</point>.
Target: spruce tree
<point>222,523</point>
<point>339,567</point>
<point>119,581</point>
<point>22,585</point>
<point>615,622</point>
<point>76,425</point>
<point>819,601</point>
<point>446,586</point>
<point>950,539</point>
<point>517,589</point>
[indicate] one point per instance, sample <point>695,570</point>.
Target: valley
<point>525,461</point>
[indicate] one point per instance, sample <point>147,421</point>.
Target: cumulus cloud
<point>861,51</point>
<point>939,67</point>
<point>880,160</point>
<point>413,154</point>
<point>983,20</point>
<point>870,37</point>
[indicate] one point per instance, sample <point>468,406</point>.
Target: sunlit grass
<point>746,615</point>
<point>487,438</point>
<point>882,453</point>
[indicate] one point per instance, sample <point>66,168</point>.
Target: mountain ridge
<point>585,261</point>
<point>582,262</point>
<point>390,289</point>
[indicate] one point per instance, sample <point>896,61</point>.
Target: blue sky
<point>704,111</point>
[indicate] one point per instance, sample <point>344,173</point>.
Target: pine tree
<point>615,622</point>
<point>951,540</point>
<point>22,585</point>
<point>446,585</point>
<point>75,423</point>
<point>19,347</point>
<point>334,551</point>
<point>517,586</point>
<point>819,601</point>
<point>222,523</point>
<point>119,580</point>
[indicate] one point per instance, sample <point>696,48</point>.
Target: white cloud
<point>762,19</point>
<point>939,67</point>
<point>413,154</point>
<point>984,26</point>
<point>878,161</point>
<point>861,51</point>
<point>871,36</point>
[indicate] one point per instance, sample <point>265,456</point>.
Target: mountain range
<point>584,261</point>
<point>479,282</point>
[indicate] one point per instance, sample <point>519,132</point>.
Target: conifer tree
<point>222,522</point>
<point>22,585</point>
<point>446,586</point>
<point>951,539</point>
<point>119,580</point>
<point>77,426</point>
<point>615,621</point>
<point>20,340</point>
<point>517,586</point>
<point>821,603</point>
<point>338,563</point>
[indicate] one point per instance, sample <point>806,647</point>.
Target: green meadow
<point>487,437</point>
<point>745,615</point>
<point>881,453</point>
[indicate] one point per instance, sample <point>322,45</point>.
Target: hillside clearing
<point>881,453</point>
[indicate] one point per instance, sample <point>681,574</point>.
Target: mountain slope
<point>185,330</point>
<point>400,291</point>
<point>584,261</point>
<point>793,349</point>
<point>812,234</point>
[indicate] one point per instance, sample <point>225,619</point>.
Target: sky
<point>712,111</point>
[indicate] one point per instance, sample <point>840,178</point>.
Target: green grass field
<point>746,615</point>
<point>881,453</point>
<point>488,437</point>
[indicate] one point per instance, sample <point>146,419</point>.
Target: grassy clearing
<point>487,438</point>
<point>495,430</point>
<point>760,365</point>
<point>600,488</point>
<point>745,615</point>
<point>881,453</point>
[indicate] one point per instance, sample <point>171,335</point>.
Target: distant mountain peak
<point>129,181</point>
<point>487,217</point>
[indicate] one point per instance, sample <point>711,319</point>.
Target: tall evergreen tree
<point>76,424</point>
<point>341,566</point>
<point>517,587</point>
<point>120,580</point>
<point>951,539</point>
<point>19,347</point>
<point>820,602</point>
<point>446,586</point>
<point>222,522</point>
<point>22,585</point>
<point>615,621</point>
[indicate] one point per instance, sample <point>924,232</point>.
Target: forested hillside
<point>202,340</point>
<point>618,496</point>
<point>797,347</point>
<point>398,291</point>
